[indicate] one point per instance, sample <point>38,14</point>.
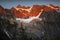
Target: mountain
<point>26,11</point>
<point>39,22</point>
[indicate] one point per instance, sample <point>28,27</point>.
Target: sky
<point>13,3</point>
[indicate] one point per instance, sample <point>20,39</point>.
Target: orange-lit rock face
<point>59,8</point>
<point>19,6</point>
<point>22,11</point>
<point>17,13</point>
<point>54,7</point>
<point>26,11</point>
<point>2,10</point>
<point>35,10</point>
<point>46,8</point>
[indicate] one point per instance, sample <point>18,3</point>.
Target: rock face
<point>19,6</point>
<point>44,27</point>
<point>25,12</point>
<point>2,10</point>
<point>51,24</point>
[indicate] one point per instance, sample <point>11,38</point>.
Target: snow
<point>30,18</point>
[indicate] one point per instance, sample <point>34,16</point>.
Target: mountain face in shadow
<point>44,23</point>
<point>51,24</point>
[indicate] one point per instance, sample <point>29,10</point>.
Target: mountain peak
<point>18,6</point>
<point>25,7</point>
